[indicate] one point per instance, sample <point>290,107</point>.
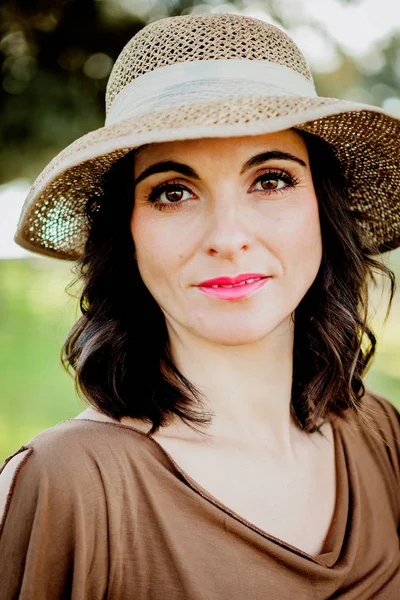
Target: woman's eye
<point>173,194</point>
<point>169,194</point>
<point>271,183</point>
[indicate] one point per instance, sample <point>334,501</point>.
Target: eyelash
<point>157,190</point>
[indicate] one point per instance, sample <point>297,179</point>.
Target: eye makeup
<point>273,176</point>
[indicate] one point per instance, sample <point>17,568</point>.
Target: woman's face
<point>220,208</point>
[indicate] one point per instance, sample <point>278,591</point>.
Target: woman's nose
<point>228,232</point>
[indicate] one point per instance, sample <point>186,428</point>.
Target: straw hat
<point>214,75</point>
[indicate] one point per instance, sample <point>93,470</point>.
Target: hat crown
<point>196,37</point>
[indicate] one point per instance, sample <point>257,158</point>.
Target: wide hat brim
<point>365,139</point>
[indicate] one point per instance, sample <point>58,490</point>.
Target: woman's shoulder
<point>56,496</point>
<point>81,435</point>
<point>384,414</point>
<point>381,435</point>
<point>74,444</point>
<point>73,460</point>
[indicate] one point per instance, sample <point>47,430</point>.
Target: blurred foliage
<point>48,96</point>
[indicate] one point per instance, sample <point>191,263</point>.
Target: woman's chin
<point>239,334</point>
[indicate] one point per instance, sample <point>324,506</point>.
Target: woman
<point>225,223</point>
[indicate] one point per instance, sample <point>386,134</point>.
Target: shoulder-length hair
<point>119,351</point>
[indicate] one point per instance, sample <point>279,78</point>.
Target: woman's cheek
<point>156,247</point>
<point>300,241</point>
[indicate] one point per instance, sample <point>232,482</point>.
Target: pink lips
<point>236,289</point>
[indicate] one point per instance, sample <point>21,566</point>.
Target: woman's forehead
<point>244,146</point>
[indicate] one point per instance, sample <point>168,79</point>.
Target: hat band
<point>191,82</point>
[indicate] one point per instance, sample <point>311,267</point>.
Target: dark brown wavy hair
<point>119,351</point>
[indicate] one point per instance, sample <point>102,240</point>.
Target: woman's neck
<point>247,388</point>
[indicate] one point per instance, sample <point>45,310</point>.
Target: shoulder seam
<point>18,469</point>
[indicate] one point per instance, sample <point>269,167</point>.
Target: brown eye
<point>270,183</point>
<point>273,182</point>
<point>173,195</point>
<point>167,194</point>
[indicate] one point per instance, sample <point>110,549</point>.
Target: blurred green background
<point>55,58</point>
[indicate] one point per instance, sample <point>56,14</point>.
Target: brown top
<point>100,510</point>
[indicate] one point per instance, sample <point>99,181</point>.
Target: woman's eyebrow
<point>258,159</point>
<point>171,165</point>
<point>167,165</point>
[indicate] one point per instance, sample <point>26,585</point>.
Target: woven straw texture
<point>202,37</point>
<point>365,139</point>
